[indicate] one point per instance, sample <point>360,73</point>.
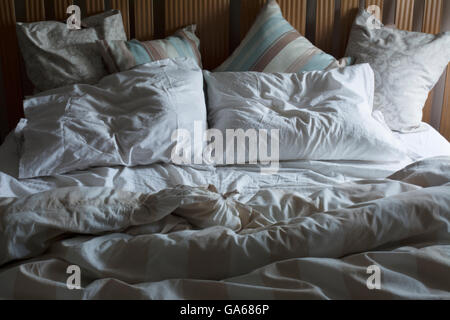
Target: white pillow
<point>321,115</point>
<point>407,65</point>
<point>127,119</point>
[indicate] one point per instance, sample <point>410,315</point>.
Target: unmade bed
<point>143,165</point>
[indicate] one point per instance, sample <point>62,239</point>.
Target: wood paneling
<point>432,16</point>
<point>35,10</point>
<point>9,58</point>
<point>445,115</point>
<point>61,9</point>
<point>349,10</point>
<point>212,20</point>
<point>293,10</point>
<point>124,7</point>
<point>324,24</point>
<point>404,14</point>
<point>427,108</point>
<point>143,19</point>
<point>379,3</point>
<point>431,24</point>
<point>95,6</point>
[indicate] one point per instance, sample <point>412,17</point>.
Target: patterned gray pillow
<point>56,56</point>
<point>407,65</point>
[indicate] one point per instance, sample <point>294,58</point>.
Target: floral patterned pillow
<point>56,56</point>
<point>406,64</point>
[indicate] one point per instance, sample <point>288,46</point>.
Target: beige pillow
<point>122,55</point>
<point>56,56</point>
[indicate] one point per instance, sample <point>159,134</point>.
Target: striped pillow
<point>273,45</point>
<point>124,55</point>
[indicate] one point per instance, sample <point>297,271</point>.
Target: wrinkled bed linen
<point>196,242</point>
<point>309,176</point>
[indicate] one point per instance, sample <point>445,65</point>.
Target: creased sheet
<point>194,242</point>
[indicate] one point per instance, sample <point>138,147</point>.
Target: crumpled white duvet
<point>193,242</point>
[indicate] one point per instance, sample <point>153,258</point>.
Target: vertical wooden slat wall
<point>295,12</point>
<point>324,24</point>
<point>95,6</point>
<point>9,57</point>
<point>431,24</point>
<point>404,14</point>
<point>378,3</point>
<point>207,15</point>
<point>61,8</point>
<point>349,10</point>
<point>432,16</point>
<point>35,10</point>
<point>143,19</point>
<point>445,115</point>
<point>124,7</point>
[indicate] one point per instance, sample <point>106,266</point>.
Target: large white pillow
<point>127,119</point>
<point>407,65</point>
<point>321,115</point>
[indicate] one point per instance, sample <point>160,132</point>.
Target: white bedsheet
<point>423,144</point>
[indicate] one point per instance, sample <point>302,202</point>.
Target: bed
<point>314,229</point>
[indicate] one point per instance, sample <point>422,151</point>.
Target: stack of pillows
<point>275,79</point>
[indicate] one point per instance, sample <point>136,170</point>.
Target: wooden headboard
<point>221,26</point>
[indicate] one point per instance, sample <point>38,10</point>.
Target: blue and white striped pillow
<point>273,45</point>
<point>124,55</point>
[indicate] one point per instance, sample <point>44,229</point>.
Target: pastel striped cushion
<point>273,45</point>
<point>124,55</point>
